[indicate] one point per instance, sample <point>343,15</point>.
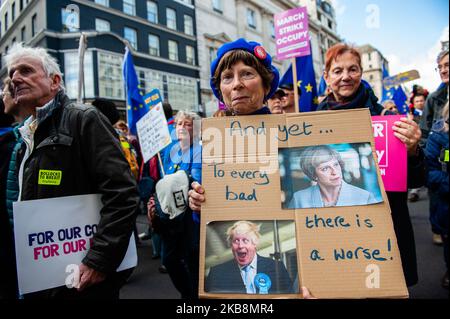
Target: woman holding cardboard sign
<point>243,78</point>
<point>343,74</point>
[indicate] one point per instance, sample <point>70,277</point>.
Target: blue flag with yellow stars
<point>306,81</point>
<point>136,108</point>
<point>396,94</point>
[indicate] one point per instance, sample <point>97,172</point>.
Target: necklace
<point>331,203</point>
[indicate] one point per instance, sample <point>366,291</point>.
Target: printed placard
<point>292,33</point>
<point>53,235</point>
<point>391,153</point>
<point>152,128</point>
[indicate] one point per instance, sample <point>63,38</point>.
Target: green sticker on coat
<point>49,177</point>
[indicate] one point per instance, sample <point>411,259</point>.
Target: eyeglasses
<point>441,67</point>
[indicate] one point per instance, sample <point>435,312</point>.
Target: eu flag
<point>306,81</point>
<point>396,94</point>
<point>322,87</point>
<point>136,107</point>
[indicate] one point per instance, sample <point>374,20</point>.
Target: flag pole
<point>294,84</point>
<point>81,51</point>
<point>161,164</point>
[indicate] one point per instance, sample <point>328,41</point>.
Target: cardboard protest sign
<point>52,236</point>
<point>342,251</point>
<point>391,153</point>
<point>291,33</point>
<point>152,128</point>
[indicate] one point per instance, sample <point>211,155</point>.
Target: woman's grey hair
<point>313,156</point>
<point>49,63</point>
<point>387,102</point>
<point>441,55</point>
<point>194,117</point>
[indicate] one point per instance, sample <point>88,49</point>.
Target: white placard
<point>51,234</point>
<point>153,132</point>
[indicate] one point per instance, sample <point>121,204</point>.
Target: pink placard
<point>391,153</point>
<point>291,33</point>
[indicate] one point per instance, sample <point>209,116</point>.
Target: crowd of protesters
<point>97,154</point>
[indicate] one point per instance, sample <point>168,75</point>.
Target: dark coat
<point>81,143</point>
<point>437,178</point>
<point>226,277</point>
<point>8,283</point>
<point>432,111</point>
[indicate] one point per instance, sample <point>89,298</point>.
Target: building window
<point>319,16</point>
<point>20,5</point>
<point>272,29</point>
<point>102,25</point>
<point>251,21</point>
<point>153,45</point>
<point>330,24</point>
<point>151,80</point>
<point>212,54</point>
<point>110,81</point>
<point>69,20</point>
<point>13,12</point>
<point>6,21</point>
<point>171,15</point>
<point>71,67</point>
<point>103,2</point>
<point>152,11</point>
<point>369,56</point>
<point>188,25</point>
<point>182,92</point>
<point>129,7</point>
<point>173,50</point>
<point>33,25</point>
<point>131,35</point>
<point>217,5</point>
<point>190,55</point>
<point>6,50</point>
<point>13,41</point>
<point>23,34</point>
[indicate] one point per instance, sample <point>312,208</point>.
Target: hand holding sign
<point>196,197</point>
<point>409,133</point>
<point>89,277</point>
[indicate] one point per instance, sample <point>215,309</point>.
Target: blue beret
<point>254,48</point>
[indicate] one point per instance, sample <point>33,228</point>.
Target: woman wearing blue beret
<point>243,78</point>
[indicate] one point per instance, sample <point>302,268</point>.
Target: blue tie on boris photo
<point>248,280</point>
<point>263,283</point>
